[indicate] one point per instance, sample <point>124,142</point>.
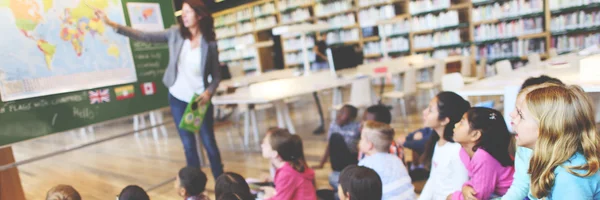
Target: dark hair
<point>193,180</point>
<point>361,183</point>
<point>495,137</point>
<point>382,113</point>
<point>230,182</point>
<point>205,24</point>
<point>352,111</point>
<point>231,196</point>
<point>452,106</point>
<point>289,147</point>
<point>539,80</point>
<point>133,192</point>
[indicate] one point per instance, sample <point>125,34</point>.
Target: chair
<point>438,72</point>
<point>361,94</point>
<point>503,67</point>
<point>452,82</point>
<point>408,88</point>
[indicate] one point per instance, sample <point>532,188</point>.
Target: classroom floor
<point>151,159</point>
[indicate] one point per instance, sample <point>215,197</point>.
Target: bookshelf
<point>507,29</point>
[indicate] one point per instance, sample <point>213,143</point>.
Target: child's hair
<point>352,111</point>
<point>232,183</point>
<point>193,180</point>
<point>361,183</point>
<point>133,192</point>
<point>382,113</point>
<point>566,126</point>
<point>63,192</point>
<point>380,134</point>
<point>539,80</point>
<point>231,196</point>
<point>289,147</point>
<point>452,106</point>
<point>495,137</point>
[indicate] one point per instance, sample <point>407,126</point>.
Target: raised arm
<point>156,37</point>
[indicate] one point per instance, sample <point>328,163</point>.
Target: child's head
<point>539,80</point>
<point>233,183</point>
<point>280,144</point>
<point>375,137</point>
<point>63,192</point>
<point>133,192</point>
<point>359,183</point>
<point>379,113</point>
<point>347,114</point>
<point>190,181</point>
<point>485,128</point>
<point>564,116</point>
<point>445,110</point>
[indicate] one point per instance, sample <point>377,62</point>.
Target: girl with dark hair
<point>359,183</point>
<point>294,180</point>
<point>193,69</point>
<point>133,192</point>
<point>441,155</point>
<point>485,139</point>
<point>230,182</point>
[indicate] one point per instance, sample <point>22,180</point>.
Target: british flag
<point>99,96</point>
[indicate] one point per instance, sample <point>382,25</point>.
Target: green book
<point>193,116</point>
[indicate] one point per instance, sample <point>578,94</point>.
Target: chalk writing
<point>149,65</point>
<point>152,73</point>
<point>146,46</point>
<point>84,113</point>
<point>71,98</point>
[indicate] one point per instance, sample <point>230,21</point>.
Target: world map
<point>51,42</point>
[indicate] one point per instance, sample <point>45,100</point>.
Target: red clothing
<point>293,185</point>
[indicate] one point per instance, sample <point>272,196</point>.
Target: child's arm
<point>521,180</point>
<point>483,180</point>
<point>285,185</point>
<point>324,159</point>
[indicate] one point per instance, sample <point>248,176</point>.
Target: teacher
<point>193,69</point>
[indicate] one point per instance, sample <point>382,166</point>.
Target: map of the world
<point>57,46</point>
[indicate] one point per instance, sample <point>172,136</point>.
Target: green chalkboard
<point>35,117</point>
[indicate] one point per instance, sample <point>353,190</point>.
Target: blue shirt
<point>350,133</point>
<point>395,180</point>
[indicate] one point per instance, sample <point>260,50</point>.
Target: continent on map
<point>147,13</point>
<point>113,50</point>
<point>27,15</point>
<point>80,20</point>
<point>48,50</point>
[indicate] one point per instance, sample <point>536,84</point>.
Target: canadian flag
<point>148,88</point>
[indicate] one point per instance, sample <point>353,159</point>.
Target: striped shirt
<point>397,184</point>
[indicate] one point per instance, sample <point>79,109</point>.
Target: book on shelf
<point>508,29</point>
<point>506,9</point>
<point>423,6</point>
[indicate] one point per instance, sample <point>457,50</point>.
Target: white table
<point>508,85</point>
<point>242,81</point>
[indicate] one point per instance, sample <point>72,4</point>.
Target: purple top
<point>486,175</point>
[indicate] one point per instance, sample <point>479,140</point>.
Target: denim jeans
<point>207,135</point>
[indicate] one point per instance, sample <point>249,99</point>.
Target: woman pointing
<point>193,69</point>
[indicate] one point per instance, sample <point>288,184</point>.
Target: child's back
<point>293,185</point>
<point>394,176</point>
<point>488,177</point>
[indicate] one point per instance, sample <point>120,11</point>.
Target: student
<point>379,113</point>
<point>485,140</point>
<point>441,155</point>
<point>342,144</point>
<point>359,183</point>
<point>235,183</point>
<point>133,192</point>
<point>63,192</point>
<point>294,180</point>
<point>375,140</point>
<point>190,183</point>
<point>557,123</point>
<point>231,196</point>
<point>520,185</point>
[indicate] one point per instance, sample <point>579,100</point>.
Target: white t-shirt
<point>189,73</point>
<point>448,173</point>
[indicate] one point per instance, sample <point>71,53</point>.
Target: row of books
<point>363,3</point>
<point>421,6</point>
<point>297,43</point>
<point>244,27</point>
<point>574,42</point>
<point>433,21</point>
<point>244,14</point>
<point>575,20</point>
<point>296,16</point>
<point>247,65</point>
<point>225,19</point>
<point>232,42</point>
<point>265,22</point>
<point>505,9</point>
<point>341,36</point>
<point>398,44</point>
<point>234,54</point>
<point>400,27</point>
<point>509,29</point>
<point>287,4</point>
<point>322,9</point>
<point>444,53</point>
<point>511,49</point>
<point>560,4</point>
<point>373,14</point>
<point>437,39</point>
<point>226,31</point>
<point>264,9</point>
<point>298,58</point>
<point>340,20</point>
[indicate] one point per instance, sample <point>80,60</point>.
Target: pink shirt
<point>487,176</point>
<point>293,185</point>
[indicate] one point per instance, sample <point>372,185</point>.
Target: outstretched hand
<point>102,15</point>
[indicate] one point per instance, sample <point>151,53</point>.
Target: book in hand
<point>193,115</point>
